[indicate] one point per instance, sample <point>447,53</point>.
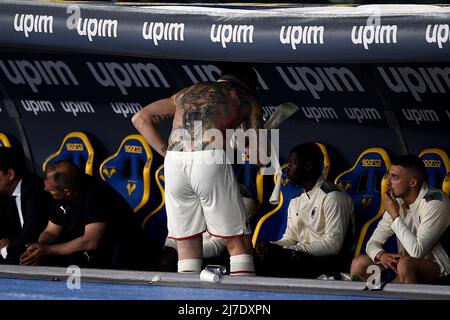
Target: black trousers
<point>280,262</point>
<point>83,259</point>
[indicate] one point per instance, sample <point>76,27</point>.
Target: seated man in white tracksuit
<point>419,217</point>
<point>317,237</point>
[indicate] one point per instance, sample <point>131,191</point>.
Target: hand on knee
<point>358,269</point>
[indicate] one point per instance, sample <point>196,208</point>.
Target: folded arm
<point>434,221</point>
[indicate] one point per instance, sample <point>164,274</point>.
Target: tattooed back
<point>209,105</point>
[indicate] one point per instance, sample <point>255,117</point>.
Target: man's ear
<point>67,192</point>
<point>11,174</point>
<point>308,166</point>
<point>413,182</point>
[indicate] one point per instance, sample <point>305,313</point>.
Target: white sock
<point>190,265</point>
<point>242,265</point>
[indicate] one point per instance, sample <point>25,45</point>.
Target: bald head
<point>64,174</point>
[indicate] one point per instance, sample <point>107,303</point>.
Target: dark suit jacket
<point>35,204</point>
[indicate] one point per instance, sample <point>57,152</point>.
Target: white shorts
<point>202,194</point>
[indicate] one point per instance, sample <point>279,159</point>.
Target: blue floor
<point>19,289</point>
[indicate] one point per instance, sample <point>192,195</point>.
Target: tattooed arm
<point>161,118</point>
<point>144,121</point>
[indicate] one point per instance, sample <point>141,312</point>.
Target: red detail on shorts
<point>227,237</point>
<point>188,237</point>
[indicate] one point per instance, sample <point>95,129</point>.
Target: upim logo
<point>202,73</point>
<point>125,75</point>
<point>318,79</point>
<point>37,106</point>
<point>367,35</point>
<point>419,115</point>
<point>76,107</point>
<point>97,28</point>
<point>360,114</point>
<point>440,35</point>
<point>158,31</point>
<point>227,33</point>
<point>37,72</point>
<point>28,23</point>
<point>125,108</point>
<point>318,113</point>
<point>417,80</point>
<point>295,35</point>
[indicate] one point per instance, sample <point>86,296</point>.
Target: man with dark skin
<point>317,237</point>
<point>201,195</point>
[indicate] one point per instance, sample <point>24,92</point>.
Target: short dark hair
<point>311,152</point>
<point>11,158</point>
<point>66,175</point>
<point>413,163</point>
<point>243,71</point>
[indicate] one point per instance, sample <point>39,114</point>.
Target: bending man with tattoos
<point>201,191</point>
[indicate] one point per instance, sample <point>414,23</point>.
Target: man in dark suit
<point>24,206</point>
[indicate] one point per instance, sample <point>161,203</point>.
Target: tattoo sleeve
<point>162,117</point>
